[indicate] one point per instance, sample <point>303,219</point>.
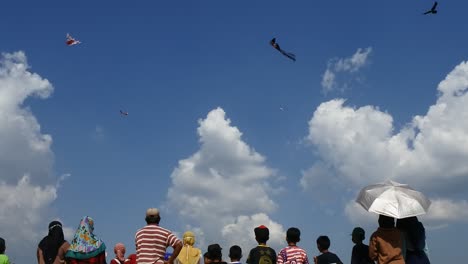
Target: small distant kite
<point>123,113</point>
<point>433,9</point>
<point>277,47</point>
<point>71,41</point>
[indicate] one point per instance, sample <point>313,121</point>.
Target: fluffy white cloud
<point>235,233</point>
<point>223,184</point>
<point>358,215</point>
<point>360,145</point>
<point>348,65</point>
<point>27,184</point>
<point>446,209</point>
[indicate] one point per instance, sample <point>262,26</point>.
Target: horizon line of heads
<point>262,235</point>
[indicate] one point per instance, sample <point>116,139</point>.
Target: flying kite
<point>433,9</point>
<point>123,113</point>
<point>277,47</point>
<point>71,41</point>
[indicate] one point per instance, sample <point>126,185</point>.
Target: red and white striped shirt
<point>292,255</point>
<point>151,243</point>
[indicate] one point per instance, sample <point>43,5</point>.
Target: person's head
<point>152,216</point>
<point>262,234</point>
<point>235,253</point>
<point>2,246</point>
<point>56,231</point>
<point>214,253</point>
<point>86,223</point>
<point>293,235</point>
<point>189,238</point>
<point>323,243</point>
<point>358,235</point>
<point>386,221</point>
<point>119,250</point>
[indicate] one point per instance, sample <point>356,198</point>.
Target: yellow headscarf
<point>189,254</point>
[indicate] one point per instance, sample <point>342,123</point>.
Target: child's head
<point>293,235</point>
<point>358,235</point>
<point>235,253</point>
<point>323,243</point>
<point>262,234</point>
<point>2,246</point>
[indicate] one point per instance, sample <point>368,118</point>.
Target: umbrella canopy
<point>393,199</point>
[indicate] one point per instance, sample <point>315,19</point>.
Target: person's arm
<point>279,258</point>
<point>177,247</point>
<point>373,248</point>
<point>40,257</point>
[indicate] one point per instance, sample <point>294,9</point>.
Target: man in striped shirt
<point>292,254</point>
<point>152,241</point>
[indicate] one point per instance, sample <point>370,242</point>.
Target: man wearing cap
<point>360,254</point>
<point>152,241</point>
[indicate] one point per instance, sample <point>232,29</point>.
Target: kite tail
<point>289,55</point>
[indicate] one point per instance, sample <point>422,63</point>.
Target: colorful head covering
<point>119,250</point>
<point>85,244</point>
<point>189,254</point>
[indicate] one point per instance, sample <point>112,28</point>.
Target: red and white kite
<point>71,41</point>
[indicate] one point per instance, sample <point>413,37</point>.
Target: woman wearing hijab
<point>52,248</point>
<point>189,254</point>
<point>85,246</point>
<point>119,251</point>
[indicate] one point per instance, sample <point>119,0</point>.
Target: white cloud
<point>328,80</point>
<point>446,209</point>
<point>338,66</point>
<point>236,233</point>
<point>360,145</point>
<point>358,215</point>
<point>223,184</point>
<point>27,186</point>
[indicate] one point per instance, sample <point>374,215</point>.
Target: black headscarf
<point>51,243</point>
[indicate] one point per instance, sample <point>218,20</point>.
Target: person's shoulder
<point>271,249</point>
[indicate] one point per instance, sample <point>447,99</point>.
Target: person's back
<point>360,254</point>
<point>327,257</point>
<point>262,254</point>
<point>386,243</point>
<point>152,240</point>
<point>292,254</point>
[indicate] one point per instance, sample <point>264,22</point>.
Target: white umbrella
<point>393,199</point>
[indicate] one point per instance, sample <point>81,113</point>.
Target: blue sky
<point>206,140</point>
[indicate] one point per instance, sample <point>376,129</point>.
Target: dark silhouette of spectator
<point>414,240</point>
<point>323,244</point>
<point>360,253</point>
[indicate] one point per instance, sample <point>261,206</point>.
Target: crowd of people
<point>392,243</point>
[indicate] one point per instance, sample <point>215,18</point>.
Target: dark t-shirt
<point>360,254</point>
<point>328,258</point>
<point>262,255</point>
